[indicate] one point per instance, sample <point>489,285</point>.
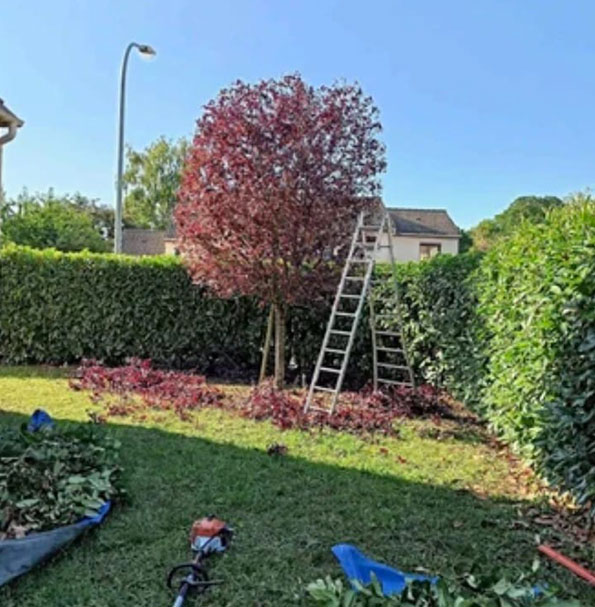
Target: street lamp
<point>148,51</point>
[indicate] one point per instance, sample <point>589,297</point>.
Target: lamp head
<point>146,50</point>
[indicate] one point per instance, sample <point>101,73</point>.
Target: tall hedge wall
<point>60,307</point>
<point>537,299</point>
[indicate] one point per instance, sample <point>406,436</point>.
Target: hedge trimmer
<point>207,536</point>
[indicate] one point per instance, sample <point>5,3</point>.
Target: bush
<point>441,326</point>
<point>61,307</point>
<point>536,298</point>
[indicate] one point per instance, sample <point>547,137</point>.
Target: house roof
<point>427,222</point>
<point>7,117</point>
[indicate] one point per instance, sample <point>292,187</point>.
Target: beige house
<point>420,234</point>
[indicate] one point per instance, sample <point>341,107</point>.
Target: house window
<point>427,250</point>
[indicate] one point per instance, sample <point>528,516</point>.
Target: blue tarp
<point>19,556</point>
<point>358,566</point>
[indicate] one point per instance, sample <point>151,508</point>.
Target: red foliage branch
<point>273,180</point>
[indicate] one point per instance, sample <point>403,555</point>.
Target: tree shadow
<point>287,512</point>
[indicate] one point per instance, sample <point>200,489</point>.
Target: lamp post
<point>148,51</point>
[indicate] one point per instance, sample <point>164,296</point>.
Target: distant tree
<point>152,179</point>
<point>275,175</point>
<point>524,208</point>
<point>466,241</point>
<point>46,220</point>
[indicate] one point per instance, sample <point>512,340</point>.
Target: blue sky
<point>481,101</point>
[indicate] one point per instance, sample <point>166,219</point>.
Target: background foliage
<point>532,209</point>
<point>151,179</point>
<point>67,223</point>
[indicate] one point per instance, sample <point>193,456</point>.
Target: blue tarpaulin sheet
<point>19,556</point>
<point>357,566</point>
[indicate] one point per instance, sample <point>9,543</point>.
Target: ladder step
<point>395,350</point>
<point>372,226</point>
<point>395,383</point>
<point>393,333</point>
<point>366,246</point>
<point>330,370</point>
<point>350,314</point>
<point>324,389</point>
<point>336,332</point>
<point>335,351</point>
<point>318,409</point>
<point>359,261</point>
<point>391,366</point>
<point>348,296</point>
<point>354,278</point>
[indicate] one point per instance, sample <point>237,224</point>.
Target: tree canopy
<point>275,175</point>
<point>524,208</point>
<point>66,223</point>
<point>152,178</point>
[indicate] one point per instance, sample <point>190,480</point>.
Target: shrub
<point>62,307</point>
<point>441,325</point>
<point>536,298</point>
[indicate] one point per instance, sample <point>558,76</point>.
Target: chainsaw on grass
<point>207,536</point>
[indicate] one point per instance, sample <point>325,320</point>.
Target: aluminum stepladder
<point>389,351</point>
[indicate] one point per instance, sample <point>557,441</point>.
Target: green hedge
<point>537,299</point>
<point>60,307</point>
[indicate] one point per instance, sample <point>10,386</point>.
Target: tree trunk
<point>279,345</point>
<point>267,346</point>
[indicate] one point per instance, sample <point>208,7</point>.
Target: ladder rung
<point>395,383</point>
<point>318,409</point>
<point>354,278</point>
<point>335,351</point>
<point>391,366</point>
<point>393,333</point>
<point>359,261</point>
<point>330,370</point>
<point>372,226</point>
<point>350,314</point>
<point>324,389</point>
<point>337,332</point>
<point>395,350</point>
<point>348,296</point>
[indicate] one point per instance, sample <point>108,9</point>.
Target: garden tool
<point>207,536</point>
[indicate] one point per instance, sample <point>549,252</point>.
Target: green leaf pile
<point>470,592</point>
<point>53,477</point>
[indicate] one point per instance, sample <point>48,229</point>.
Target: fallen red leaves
<point>136,386</point>
<point>131,389</point>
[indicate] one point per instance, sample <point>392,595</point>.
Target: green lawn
<point>443,504</point>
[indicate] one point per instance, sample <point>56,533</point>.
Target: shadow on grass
<point>287,513</point>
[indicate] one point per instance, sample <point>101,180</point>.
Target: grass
<point>446,505</point>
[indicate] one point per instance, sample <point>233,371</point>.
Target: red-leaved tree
<point>275,175</point>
